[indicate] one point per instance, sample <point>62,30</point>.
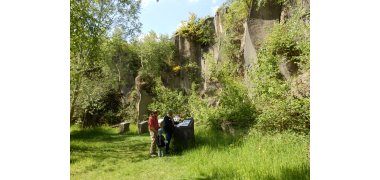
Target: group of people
<point>156,131</point>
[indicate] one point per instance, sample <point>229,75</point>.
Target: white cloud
<point>193,1</point>
<point>213,9</point>
<point>214,1</point>
<point>145,3</point>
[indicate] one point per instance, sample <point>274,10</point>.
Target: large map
<point>184,123</point>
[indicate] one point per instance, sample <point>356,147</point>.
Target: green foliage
<point>121,56</point>
<point>199,108</point>
<point>155,51</point>
<point>192,70</point>
<point>280,110</point>
<point>197,29</point>
<point>89,22</point>
<point>235,105</point>
<point>229,103</point>
<point>129,110</point>
<point>267,81</point>
<point>102,108</point>
<point>92,62</point>
<point>210,65</point>
<point>263,3</point>
<point>167,99</point>
<point>233,23</point>
<point>288,114</point>
<point>233,20</point>
<point>291,40</point>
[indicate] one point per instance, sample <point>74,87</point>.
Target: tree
<point>155,51</point>
<point>90,21</point>
<point>122,57</point>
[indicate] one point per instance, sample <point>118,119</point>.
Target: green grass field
<point>101,153</point>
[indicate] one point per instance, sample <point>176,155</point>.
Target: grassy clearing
<point>101,153</point>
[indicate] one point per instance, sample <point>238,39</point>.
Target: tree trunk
<point>119,74</point>
<point>78,80</point>
<point>75,97</point>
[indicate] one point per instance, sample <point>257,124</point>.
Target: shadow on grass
<point>127,151</point>
<point>213,138</point>
<point>106,146</point>
<point>298,173</point>
<point>216,138</point>
<point>93,134</point>
<point>101,134</point>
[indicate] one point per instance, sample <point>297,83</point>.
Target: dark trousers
<point>168,138</point>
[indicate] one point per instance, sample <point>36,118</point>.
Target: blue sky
<point>166,15</point>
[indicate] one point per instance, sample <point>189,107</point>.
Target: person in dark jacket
<point>168,128</point>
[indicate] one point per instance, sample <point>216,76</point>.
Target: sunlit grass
<point>103,154</point>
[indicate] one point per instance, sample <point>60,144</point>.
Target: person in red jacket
<point>153,128</point>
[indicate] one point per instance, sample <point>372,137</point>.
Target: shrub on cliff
<point>279,108</point>
<point>197,29</point>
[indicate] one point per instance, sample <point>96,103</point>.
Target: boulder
<point>123,127</point>
<point>143,127</point>
<point>288,68</point>
<point>144,99</point>
<point>300,85</point>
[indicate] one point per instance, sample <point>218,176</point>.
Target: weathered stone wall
<point>145,97</point>
<point>256,29</point>
<point>188,51</point>
<point>142,105</point>
<point>293,4</point>
<point>219,33</point>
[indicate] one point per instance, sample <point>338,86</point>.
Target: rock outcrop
<point>256,29</point>
<point>145,97</point>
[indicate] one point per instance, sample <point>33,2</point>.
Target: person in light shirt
<point>153,128</point>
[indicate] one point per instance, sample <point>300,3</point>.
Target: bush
<point>291,40</point>
<point>102,109</point>
<point>283,115</point>
<point>235,105</point>
<point>167,99</point>
<point>199,108</point>
<point>233,21</point>
<point>155,52</point>
<point>198,30</point>
<point>129,111</point>
<point>193,71</point>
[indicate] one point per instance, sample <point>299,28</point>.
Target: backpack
<point>160,141</point>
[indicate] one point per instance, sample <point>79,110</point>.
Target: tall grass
<point>107,155</point>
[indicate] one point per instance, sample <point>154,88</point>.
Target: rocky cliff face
<point>256,29</point>
<point>188,51</point>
